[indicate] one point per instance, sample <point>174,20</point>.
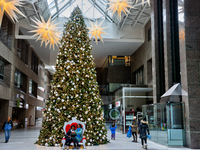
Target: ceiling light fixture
<point>119,6</point>
<point>10,7</point>
<point>46,31</point>
<point>96,31</point>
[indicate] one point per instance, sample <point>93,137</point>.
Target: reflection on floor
<point>24,139</point>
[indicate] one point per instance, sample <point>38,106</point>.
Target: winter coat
<point>135,125</point>
<point>113,129</point>
<point>69,134</point>
<point>79,134</point>
<point>7,126</point>
<point>143,129</point>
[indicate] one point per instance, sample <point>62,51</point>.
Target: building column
<point>156,51</point>
<point>189,33</point>
<point>167,44</point>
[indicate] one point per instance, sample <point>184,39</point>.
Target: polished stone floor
<point>23,139</point>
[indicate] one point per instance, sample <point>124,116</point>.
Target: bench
<point>67,126</point>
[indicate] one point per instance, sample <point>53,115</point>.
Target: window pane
<point>1,69</point>
<point>17,79</point>
<point>6,32</point>
<point>34,63</point>
<point>30,86</point>
<point>19,44</point>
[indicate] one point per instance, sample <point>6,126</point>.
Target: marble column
<point>189,47</point>
<point>167,44</point>
<point>189,31</point>
<point>155,51</point>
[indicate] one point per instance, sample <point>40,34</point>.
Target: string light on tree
<point>46,31</point>
<point>10,6</point>
<point>96,30</point>
<point>73,86</point>
<point>119,6</point>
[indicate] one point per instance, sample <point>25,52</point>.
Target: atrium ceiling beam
<point>35,10</point>
<point>101,10</point>
<point>25,13</point>
<point>63,8</point>
<point>121,24</point>
<point>138,16</point>
<point>56,3</point>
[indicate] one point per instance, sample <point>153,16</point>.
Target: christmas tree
<point>74,90</point>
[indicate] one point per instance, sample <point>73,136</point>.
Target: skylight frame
<point>61,6</point>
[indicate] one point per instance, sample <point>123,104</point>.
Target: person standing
<point>79,134</point>
<point>134,129</point>
<point>69,135</point>
<point>113,128</point>
<point>7,126</point>
<point>143,130</point>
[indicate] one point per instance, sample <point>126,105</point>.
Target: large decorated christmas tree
<point>74,90</point>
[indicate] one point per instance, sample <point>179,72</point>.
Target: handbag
<point>149,137</point>
<point>129,133</point>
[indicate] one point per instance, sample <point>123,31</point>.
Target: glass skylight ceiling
<point>92,9</point>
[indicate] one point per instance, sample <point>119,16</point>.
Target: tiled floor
<point>24,139</point>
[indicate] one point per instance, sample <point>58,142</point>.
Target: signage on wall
<point>110,106</point>
<point>118,104</point>
<point>114,114</point>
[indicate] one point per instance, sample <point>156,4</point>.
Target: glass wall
<point>119,60</point>
<point>2,65</point>
<point>138,76</point>
<point>22,50</point>
<point>128,102</point>
<point>165,123</point>
<point>33,88</point>
<point>6,31</point>
<point>114,86</point>
<point>34,63</point>
<point>20,80</point>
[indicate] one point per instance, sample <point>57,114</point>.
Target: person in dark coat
<point>7,126</point>
<point>143,130</point>
<point>69,136</point>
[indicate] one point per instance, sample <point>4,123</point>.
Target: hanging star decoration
<point>143,2</point>
<point>10,6</point>
<point>47,32</point>
<point>119,6</point>
<point>96,30</point>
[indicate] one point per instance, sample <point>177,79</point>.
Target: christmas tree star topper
<point>10,6</point>
<point>119,6</point>
<point>47,31</point>
<point>96,31</point>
